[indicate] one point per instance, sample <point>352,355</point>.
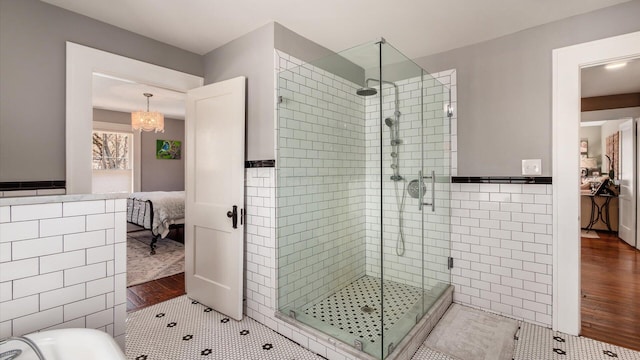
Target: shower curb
<point>414,339</point>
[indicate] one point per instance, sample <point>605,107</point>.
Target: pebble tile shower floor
<point>356,307</point>
<point>184,329</point>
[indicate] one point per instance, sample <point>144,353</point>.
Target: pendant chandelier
<point>147,120</point>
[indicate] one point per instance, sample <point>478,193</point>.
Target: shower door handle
<point>433,191</point>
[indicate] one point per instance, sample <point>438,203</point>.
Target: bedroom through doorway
<point>149,167</point>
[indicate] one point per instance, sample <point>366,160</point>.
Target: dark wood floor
<point>611,291</point>
<point>155,291</point>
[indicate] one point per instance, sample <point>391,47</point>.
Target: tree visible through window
<point>111,151</point>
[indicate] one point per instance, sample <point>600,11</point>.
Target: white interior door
<point>215,143</point>
<point>627,197</point>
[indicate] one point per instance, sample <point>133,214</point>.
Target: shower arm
<point>395,87</point>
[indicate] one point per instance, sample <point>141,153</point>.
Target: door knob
<point>233,214</point>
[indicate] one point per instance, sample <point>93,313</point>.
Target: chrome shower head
<point>366,91</point>
<point>389,122</point>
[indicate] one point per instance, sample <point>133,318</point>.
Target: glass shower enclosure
<point>363,192</point>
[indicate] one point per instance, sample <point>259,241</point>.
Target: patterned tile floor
<point>182,329</point>
<point>356,307</point>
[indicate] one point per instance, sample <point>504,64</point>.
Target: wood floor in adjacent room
<point>611,291</point>
<point>154,292</point>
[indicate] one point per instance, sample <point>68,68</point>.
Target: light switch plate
<point>532,167</point>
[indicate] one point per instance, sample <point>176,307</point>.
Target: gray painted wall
<point>252,56</point>
<point>311,52</point>
<point>593,134</point>
<point>504,89</point>
<point>156,174</point>
<point>32,68</point>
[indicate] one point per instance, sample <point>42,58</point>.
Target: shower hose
<point>400,203</point>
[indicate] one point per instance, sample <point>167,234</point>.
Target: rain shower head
<point>389,122</point>
<point>366,91</point>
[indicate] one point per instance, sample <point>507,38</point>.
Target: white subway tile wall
<point>333,151</point>
<point>261,263</point>
<point>57,267</point>
<point>321,185</point>
<point>423,147</point>
<point>501,242</point>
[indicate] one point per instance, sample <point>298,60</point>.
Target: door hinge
<point>450,263</point>
<point>358,344</point>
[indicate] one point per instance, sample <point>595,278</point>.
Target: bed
<point>158,211</point>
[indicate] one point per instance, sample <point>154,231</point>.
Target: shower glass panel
<point>363,140</point>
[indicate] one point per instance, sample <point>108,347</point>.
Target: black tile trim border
<point>501,180</point>
<point>32,185</point>
<point>260,163</point>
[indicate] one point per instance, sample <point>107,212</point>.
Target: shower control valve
<point>413,188</point>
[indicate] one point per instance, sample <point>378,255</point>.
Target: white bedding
<point>168,209</point>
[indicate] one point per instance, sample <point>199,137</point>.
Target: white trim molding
<point>82,62</point>
<point>567,63</point>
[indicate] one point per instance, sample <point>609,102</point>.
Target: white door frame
<point>567,63</point>
<point>82,62</point>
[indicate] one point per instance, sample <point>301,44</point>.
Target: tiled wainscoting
<point>502,246</point>
<point>63,264</point>
<point>260,265</point>
<point>501,243</point>
<point>260,259</point>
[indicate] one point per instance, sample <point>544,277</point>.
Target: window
<point>111,151</point>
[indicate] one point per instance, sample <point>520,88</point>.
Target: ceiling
<point>415,27</point>
<point>110,93</point>
<point>599,81</point>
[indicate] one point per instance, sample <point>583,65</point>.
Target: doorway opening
<point>81,102</point>
<point>567,63</point>
<point>150,180</point>
<point>610,261</point>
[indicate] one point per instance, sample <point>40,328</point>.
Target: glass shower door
<point>415,194</point>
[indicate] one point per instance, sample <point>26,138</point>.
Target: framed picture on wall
<point>584,146</point>
<point>168,149</point>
